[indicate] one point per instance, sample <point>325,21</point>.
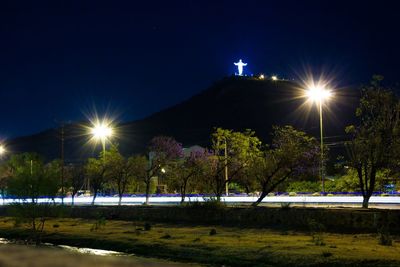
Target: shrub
<point>285,205</point>
<point>326,254</point>
<point>316,194</point>
<point>166,236</point>
<point>147,226</point>
<point>292,194</point>
<point>100,223</point>
<point>316,230</point>
<point>209,203</point>
<point>384,237</point>
<point>303,186</point>
<point>271,194</point>
<point>213,232</point>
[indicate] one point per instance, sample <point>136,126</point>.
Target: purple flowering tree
<point>187,171</point>
<point>163,150</point>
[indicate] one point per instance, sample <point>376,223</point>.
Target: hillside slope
<point>235,103</point>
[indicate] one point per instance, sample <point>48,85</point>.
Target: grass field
<point>224,246</point>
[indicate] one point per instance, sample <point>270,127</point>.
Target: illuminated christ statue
<point>240,66</point>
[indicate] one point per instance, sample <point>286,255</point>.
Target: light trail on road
<point>392,201</point>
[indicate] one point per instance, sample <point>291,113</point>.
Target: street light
<point>102,131</point>
<point>2,150</point>
<point>318,94</point>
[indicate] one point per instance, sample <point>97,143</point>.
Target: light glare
<point>318,93</point>
<point>101,131</point>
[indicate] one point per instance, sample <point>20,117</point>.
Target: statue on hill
<point>240,66</point>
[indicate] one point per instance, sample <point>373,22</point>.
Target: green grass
<point>229,246</point>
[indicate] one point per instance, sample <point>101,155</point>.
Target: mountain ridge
<point>236,103</point>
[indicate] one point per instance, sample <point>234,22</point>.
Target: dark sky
<point>60,59</point>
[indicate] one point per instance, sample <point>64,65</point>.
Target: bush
<point>316,230</point>
<point>213,232</point>
<point>285,205</point>
<point>292,194</point>
<point>209,203</point>
<point>147,226</point>
<point>326,254</point>
<point>316,194</point>
<point>166,236</point>
<point>100,223</point>
<point>303,186</point>
<point>384,237</point>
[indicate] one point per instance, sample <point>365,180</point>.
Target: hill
<point>234,102</point>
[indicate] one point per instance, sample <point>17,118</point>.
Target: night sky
<point>61,59</point>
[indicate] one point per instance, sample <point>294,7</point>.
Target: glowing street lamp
<point>2,150</point>
<point>274,77</point>
<point>318,94</point>
<point>102,131</point>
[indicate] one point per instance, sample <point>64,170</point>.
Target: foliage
<point>119,171</point>
<point>162,151</point>
<point>292,153</point>
<point>75,175</point>
<point>285,205</point>
<point>185,173</point>
<point>95,171</point>
<point>30,180</point>
<point>98,224</point>
<point>374,143</point>
<point>316,230</point>
<point>303,186</point>
<point>231,151</point>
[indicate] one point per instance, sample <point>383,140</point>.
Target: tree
<point>76,179</point>
<point>119,170</point>
<point>182,172</point>
<point>95,171</point>
<point>5,176</point>
<point>31,179</point>
<point>374,143</point>
<point>231,154</point>
<point>292,152</point>
<point>162,151</point>
<point>140,165</point>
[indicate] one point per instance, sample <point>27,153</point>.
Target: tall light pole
<point>101,131</point>
<point>318,94</point>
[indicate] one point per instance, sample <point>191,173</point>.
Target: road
<point>392,202</point>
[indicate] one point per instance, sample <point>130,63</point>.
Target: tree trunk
<point>183,193</point>
<point>366,201</point>
<point>260,198</point>
<point>120,200</point>
<point>72,199</point>
<point>147,192</point>
<point>94,197</point>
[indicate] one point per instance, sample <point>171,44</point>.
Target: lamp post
<point>318,94</point>
<point>101,131</point>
